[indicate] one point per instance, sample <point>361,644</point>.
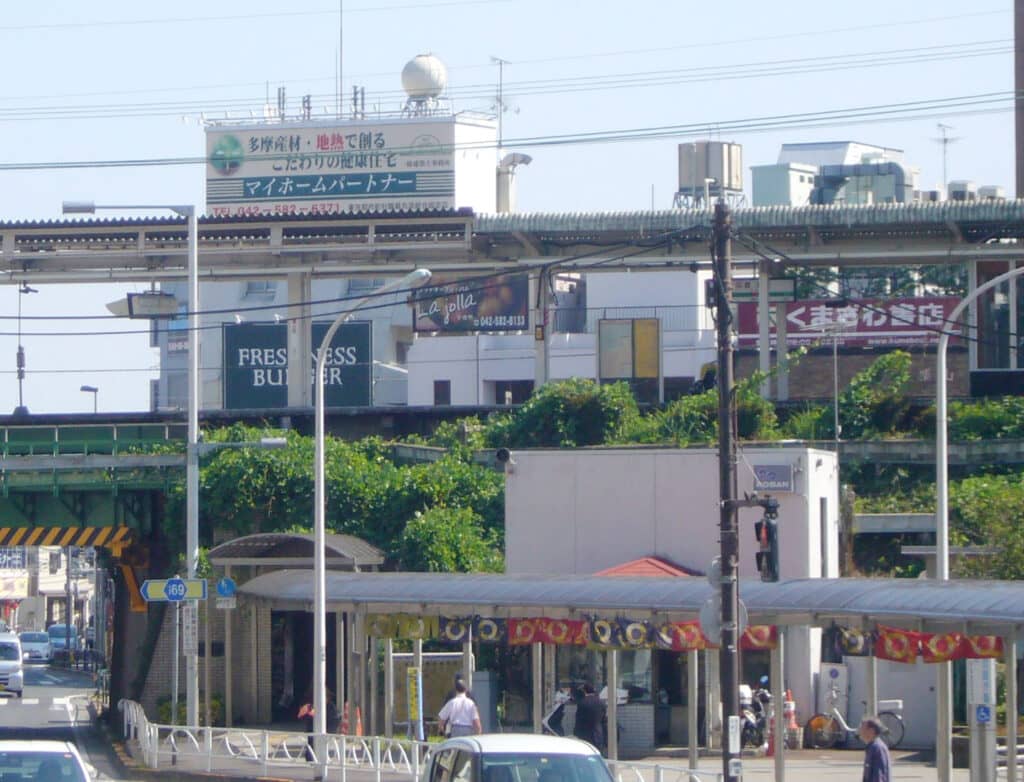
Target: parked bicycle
<point>825,730</point>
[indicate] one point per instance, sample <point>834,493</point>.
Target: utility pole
<point>1018,85</point>
<point>721,248</point>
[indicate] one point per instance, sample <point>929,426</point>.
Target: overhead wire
<point>965,325</point>
<point>540,87</point>
<point>964,104</point>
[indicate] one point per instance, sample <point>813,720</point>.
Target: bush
<point>163,710</point>
<point>874,403</point>
<point>568,414</point>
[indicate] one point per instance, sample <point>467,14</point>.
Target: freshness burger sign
<point>256,365</point>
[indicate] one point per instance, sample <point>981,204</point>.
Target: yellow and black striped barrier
<point>114,538</point>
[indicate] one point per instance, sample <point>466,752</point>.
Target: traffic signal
<point>767,531</point>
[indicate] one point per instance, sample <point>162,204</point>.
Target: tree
<point>442,540</point>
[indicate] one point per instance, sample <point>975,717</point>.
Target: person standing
<point>876,754</point>
<point>459,716</point>
<point>589,717</point>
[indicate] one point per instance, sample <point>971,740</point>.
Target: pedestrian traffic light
<point>767,531</point>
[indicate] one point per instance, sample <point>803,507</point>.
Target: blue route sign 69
<point>173,590</point>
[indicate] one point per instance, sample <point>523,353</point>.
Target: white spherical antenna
<point>424,77</point>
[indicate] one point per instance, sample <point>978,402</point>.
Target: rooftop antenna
<point>341,52</point>
<point>500,103</point>
<point>945,141</point>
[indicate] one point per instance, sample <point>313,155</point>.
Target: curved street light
<point>412,280</point>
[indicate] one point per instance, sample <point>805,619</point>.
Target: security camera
<point>503,455</point>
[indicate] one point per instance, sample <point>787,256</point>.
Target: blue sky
<point>113,80</point>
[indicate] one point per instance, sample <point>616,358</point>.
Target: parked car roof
<point>522,742</point>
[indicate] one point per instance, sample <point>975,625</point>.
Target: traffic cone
<point>344,720</point>
<point>359,721</point>
<point>771,738</point>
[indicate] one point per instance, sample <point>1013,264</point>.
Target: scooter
<point>755,711</point>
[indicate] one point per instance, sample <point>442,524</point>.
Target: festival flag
<point>487,630</point>
<point>982,646</point>
<point>760,637</point>
<point>942,647</point>
<point>680,636</point>
<point>522,632</point>
<point>454,630</point>
<point>898,645</point>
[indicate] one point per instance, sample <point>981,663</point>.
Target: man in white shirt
<point>460,714</point>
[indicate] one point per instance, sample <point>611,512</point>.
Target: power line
<point>980,103</point>
<point>540,87</point>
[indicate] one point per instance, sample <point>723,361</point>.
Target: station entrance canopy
<point>976,607</point>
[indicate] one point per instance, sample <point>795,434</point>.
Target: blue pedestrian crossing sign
<point>982,714</point>
<point>226,587</point>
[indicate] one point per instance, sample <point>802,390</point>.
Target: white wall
<point>597,508</point>
<point>229,299</point>
<point>475,164</point>
<point>645,289</point>
<point>913,684</point>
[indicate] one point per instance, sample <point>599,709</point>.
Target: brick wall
<point>811,378</point>
<point>159,682</point>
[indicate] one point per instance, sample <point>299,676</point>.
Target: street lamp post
<point>192,452</point>
<point>412,280</point>
<point>95,391</point>
<point>944,723</point>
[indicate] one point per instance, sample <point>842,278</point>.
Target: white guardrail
<point>243,752</point>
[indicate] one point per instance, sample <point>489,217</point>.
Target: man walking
<point>590,714</point>
<point>876,754</point>
<point>460,714</point>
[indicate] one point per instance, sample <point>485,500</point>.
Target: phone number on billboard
<point>508,321</point>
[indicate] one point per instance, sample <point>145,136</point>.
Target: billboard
<point>628,349</point>
<point>328,169</point>
<point>256,365</point>
<point>859,323</point>
<point>456,304</point>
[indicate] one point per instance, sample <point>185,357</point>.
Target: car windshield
<point>34,638</point>
<point>536,767</point>
<point>40,767</point>
<point>9,652</point>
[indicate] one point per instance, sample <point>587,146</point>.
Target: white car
<point>37,646</point>
<point>42,761</point>
<point>515,757</point>
<point>12,676</point>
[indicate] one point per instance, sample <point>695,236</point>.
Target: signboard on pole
<point>414,688</point>
<point>189,629</point>
<point>256,365</point>
<point>173,590</point>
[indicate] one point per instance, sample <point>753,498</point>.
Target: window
<point>54,562</point>
<point>442,392</point>
<point>264,290</point>
<point>364,284</point>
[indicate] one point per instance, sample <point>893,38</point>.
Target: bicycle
<point>824,730</point>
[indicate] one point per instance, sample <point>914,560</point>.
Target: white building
<point>832,172</point>
<point>597,508</point>
<point>487,369</point>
